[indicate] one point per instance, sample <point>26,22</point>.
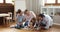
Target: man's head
<point>41,16</point>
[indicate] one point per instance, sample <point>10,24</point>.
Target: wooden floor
<point>8,29</point>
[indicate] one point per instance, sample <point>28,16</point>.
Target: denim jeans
<point>19,26</point>
<point>26,23</point>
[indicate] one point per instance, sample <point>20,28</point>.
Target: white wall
<point>20,4</point>
<point>56,20</point>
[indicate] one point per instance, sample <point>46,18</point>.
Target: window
<point>53,2</point>
<point>8,1</point>
<point>1,1</point>
<point>58,1</point>
<point>50,1</point>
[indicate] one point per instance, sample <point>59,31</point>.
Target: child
<point>20,19</point>
<point>32,23</point>
<point>40,22</point>
<point>37,25</point>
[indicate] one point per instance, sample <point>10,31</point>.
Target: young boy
<point>20,19</point>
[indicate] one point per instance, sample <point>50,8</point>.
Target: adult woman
<point>28,16</point>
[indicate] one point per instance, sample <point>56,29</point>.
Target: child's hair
<point>19,11</point>
<point>34,19</point>
<point>41,15</point>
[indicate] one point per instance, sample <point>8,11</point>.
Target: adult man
<point>46,21</point>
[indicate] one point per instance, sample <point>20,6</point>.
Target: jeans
<point>26,23</point>
<point>19,26</point>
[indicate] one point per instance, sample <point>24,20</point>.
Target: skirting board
<point>56,24</point>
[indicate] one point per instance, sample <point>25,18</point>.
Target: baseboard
<point>56,24</point>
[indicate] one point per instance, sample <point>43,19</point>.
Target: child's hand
<point>24,20</point>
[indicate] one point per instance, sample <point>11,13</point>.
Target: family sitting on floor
<point>28,19</point>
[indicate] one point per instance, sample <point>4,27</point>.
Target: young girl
<point>20,19</point>
<point>32,23</point>
<point>37,25</point>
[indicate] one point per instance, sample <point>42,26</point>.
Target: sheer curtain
<point>42,2</point>
<point>29,4</point>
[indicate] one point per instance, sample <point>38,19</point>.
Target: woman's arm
<point>33,14</point>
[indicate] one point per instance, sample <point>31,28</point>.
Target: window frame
<point>54,4</point>
<point>4,1</point>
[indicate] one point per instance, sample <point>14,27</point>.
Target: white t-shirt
<point>32,15</point>
<point>49,21</point>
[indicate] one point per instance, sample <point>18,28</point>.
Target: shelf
<point>52,10</point>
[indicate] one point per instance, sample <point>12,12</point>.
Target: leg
<point>18,27</point>
<point>26,23</point>
<point>47,25</point>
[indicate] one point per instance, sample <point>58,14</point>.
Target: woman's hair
<point>41,15</point>
<point>19,11</point>
<point>25,11</point>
